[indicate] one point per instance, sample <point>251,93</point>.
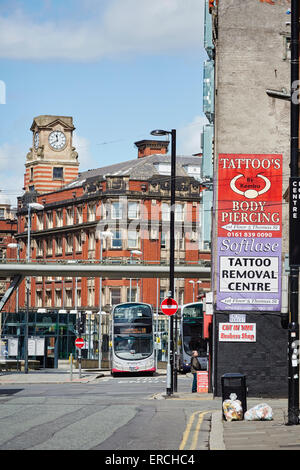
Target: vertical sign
<point>249,232</point>
<point>294,221</point>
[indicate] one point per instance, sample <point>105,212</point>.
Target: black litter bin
<point>234,383</point>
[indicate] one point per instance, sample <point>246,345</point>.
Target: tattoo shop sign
<point>249,232</point>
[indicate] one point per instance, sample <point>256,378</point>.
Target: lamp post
<point>17,246</point>
<point>172,376</point>
<point>38,207</point>
<point>293,327</point>
<point>102,236</point>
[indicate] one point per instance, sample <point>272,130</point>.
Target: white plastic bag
<point>232,408</point>
<point>261,412</point>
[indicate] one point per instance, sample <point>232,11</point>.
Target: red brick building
<point>130,200</point>
<point>8,230</point>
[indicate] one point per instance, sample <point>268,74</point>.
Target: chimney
<point>151,147</point>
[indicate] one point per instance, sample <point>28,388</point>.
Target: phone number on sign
<point>250,234</point>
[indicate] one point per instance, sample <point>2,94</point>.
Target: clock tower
<point>52,161</point>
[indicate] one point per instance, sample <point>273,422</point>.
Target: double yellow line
<point>187,432</point>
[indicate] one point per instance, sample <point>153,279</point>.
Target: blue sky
<point>120,67</point>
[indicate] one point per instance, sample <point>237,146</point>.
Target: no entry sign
<point>169,306</point>
<point>79,343</point>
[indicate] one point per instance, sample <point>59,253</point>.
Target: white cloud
<point>82,146</point>
<point>189,136</point>
<point>124,27</point>
<point>12,169</point>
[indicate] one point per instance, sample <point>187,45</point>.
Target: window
<point>49,247</point>
<point>91,296</point>
<point>115,295</point>
<point>39,248</point>
<point>49,220</point>
<point>2,214</point>
<point>287,48</point>
<point>179,241</point>
<point>116,239</point>
<point>69,302</point>
<point>91,241</point>
<point>162,295</point>
<point>92,212</point>
<point>133,295</point>
<point>31,174</point>
<point>116,210</point>
<point>133,210</point>
<point>163,240</point>
<point>179,212</point>
<point>48,299</point>
<point>59,218</point>
<point>79,215</point>
<point>79,297</point>
<point>58,246</point>
<point>69,216</point>
<point>165,211</point>
<point>58,173</point>
<point>78,242</point>
<point>58,298</point>
<point>69,244</point>
<point>39,298</point>
<point>132,239</point>
<point>39,221</point>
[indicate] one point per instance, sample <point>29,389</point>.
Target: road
<point>105,414</point>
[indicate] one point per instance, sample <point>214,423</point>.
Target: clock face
<point>36,140</point>
<point>57,140</point>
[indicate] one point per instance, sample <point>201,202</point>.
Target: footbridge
<point>17,271</point>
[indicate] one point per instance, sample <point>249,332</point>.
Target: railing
<point>109,261</point>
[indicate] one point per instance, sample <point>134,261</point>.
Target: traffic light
<point>211,4</point>
<point>81,323</point>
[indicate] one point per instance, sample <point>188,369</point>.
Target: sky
<point>120,68</point>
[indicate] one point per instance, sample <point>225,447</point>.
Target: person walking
<point>195,367</point>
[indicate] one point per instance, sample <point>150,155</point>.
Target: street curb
<point>216,437</point>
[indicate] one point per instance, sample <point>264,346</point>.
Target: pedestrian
<point>195,366</point>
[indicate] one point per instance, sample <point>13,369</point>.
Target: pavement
<point>232,435</point>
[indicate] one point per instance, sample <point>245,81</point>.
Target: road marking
<point>188,428</point>
<point>196,433</point>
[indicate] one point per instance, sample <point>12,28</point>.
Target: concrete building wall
<point>251,58</point>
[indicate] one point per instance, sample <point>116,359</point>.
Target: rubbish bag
<point>232,408</point>
<point>261,412</point>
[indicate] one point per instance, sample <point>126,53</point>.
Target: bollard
<point>71,367</point>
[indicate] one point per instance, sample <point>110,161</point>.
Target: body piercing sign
<point>249,232</point>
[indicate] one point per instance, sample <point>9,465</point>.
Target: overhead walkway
<point>108,270</point>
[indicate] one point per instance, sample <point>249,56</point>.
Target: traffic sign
<point>169,306</point>
<point>79,343</point>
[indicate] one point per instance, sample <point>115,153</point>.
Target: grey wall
<point>250,53</point>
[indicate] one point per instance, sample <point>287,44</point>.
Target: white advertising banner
<point>237,332</point>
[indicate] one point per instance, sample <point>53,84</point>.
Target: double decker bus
<point>132,342</point>
<point>192,336</point>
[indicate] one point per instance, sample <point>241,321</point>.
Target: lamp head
<point>159,132</point>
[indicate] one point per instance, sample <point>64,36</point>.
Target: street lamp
<point>38,207</point>
<point>102,236</point>
<point>17,246</point>
<point>133,252</point>
<point>194,282</point>
<point>171,360</point>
